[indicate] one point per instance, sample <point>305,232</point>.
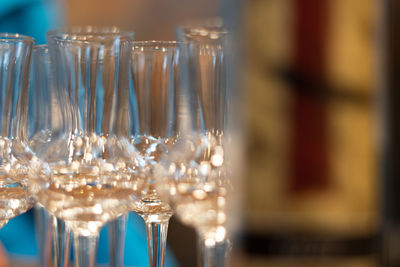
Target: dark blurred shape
<point>391,134</point>
<point>311,246</point>
<point>182,240</point>
<point>331,92</point>
<point>309,156</point>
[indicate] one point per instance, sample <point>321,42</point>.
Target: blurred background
<point>316,102</point>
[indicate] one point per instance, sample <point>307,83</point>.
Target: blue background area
<point>19,239</point>
<point>30,17</point>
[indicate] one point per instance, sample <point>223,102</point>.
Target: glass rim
<point>199,33</point>
<point>92,34</point>
<point>212,26</point>
<point>156,45</point>
<point>208,22</point>
<point>86,28</point>
<point>43,48</point>
<point>16,37</point>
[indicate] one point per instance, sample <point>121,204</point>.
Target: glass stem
<point>212,253</point>
<point>116,233</point>
<point>43,234</point>
<point>85,250</point>
<point>156,239</point>
<point>60,243</point>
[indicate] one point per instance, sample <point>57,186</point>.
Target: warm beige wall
<point>149,19</point>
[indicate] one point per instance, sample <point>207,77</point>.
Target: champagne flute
<point>155,76</point>
<point>15,157</point>
<point>195,176</point>
<point>92,167</point>
<point>44,118</point>
<point>117,227</point>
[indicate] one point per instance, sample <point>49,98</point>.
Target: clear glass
<point>92,168</point>
<point>42,219</point>
<point>195,176</point>
<point>117,227</point>
<point>155,81</point>
<point>44,118</point>
<point>15,158</point>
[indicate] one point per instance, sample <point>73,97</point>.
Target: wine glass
<point>117,227</point>
<point>44,117</point>
<point>92,168</point>
<point>155,80</point>
<point>195,176</point>
<point>15,157</point>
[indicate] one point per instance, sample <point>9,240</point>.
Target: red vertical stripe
<point>309,145</point>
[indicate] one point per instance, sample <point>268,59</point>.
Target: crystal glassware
<point>44,118</point>
<point>15,157</point>
<point>91,174</point>
<point>195,176</point>
<point>155,76</point>
<point>117,227</point>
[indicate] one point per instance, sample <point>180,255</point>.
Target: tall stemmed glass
<point>155,73</point>
<point>117,227</point>
<point>15,157</point>
<point>92,167</point>
<point>195,176</point>
<point>44,119</point>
